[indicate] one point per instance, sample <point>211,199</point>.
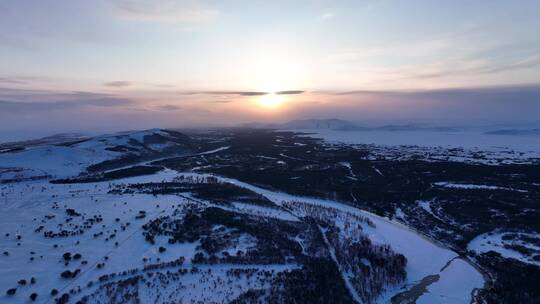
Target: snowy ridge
<point>65,160</point>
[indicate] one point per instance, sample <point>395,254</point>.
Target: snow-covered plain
<point>494,148</point>
<point>466,139</point>
<point>493,241</point>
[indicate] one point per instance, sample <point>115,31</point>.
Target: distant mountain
<point>344,125</point>
<point>332,124</point>
<point>413,128</point>
<point>520,132</point>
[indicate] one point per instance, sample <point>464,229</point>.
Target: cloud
<point>459,57</point>
<point>352,92</point>
<point>183,12</point>
<point>515,93</point>
<point>220,101</point>
<point>9,80</point>
<point>294,92</point>
<point>466,106</point>
<point>527,63</point>
<point>19,100</point>
<point>18,43</point>
<point>125,83</point>
<point>15,106</point>
<point>240,93</point>
<point>482,95</point>
<point>483,69</point>
<point>118,84</point>
<point>169,108</point>
<point>326,16</point>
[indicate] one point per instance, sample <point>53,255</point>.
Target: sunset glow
<point>271,101</point>
<point>124,64</point>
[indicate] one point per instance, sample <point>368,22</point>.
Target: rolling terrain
<point>264,216</point>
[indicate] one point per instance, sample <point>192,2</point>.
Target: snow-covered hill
<point>65,156</point>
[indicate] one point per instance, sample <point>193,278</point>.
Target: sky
<point>108,65</point>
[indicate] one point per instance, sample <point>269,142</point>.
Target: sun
<point>271,100</point>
